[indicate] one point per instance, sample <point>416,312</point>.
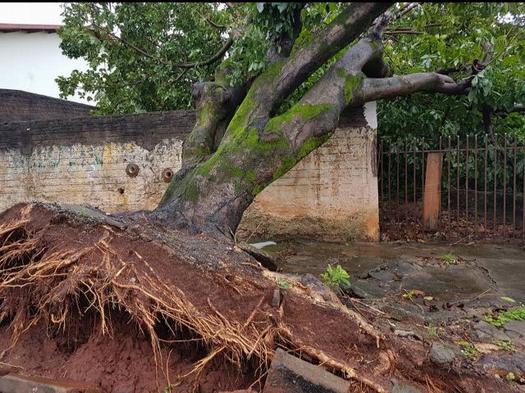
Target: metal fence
<point>482,179</point>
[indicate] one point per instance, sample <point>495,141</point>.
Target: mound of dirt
<point>125,304</point>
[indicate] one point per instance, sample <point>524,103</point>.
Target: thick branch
<point>305,60</point>
<point>379,88</point>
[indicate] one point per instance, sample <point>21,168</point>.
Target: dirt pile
<point>134,307</point>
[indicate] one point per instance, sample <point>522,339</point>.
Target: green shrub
<point>513,314</point>
<point>336,277</point>
<point>449,259</point>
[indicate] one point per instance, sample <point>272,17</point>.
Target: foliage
<point>282,283</point>
<point>336,277</point>
<point>449,35</point>
<point>500,319</point>
<point>449,259</point>
<point>468,349</point>
<point>433,331</point>
<point>410,294</point>
<point>505,345</point>
<point>134,51</point>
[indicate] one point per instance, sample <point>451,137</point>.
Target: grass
<point>433,331</point>
<point>513,314</point>
<point>336,277</point>
<point>505,345</point>
<point>468,349</point>
<point>449,259</point>
<point>283,284</point>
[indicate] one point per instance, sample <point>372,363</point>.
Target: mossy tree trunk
<point>258,146</point>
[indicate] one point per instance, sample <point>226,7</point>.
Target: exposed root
<point>329,361</point>
<point>51,275</point>
<point>54,281</point>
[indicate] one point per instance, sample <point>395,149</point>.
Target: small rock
<point>276,298</point>
<point>441,354</point>
<point>516,327</point>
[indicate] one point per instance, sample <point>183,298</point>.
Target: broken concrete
<point>289,374</point>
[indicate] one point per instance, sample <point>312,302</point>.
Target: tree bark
<point>258,147</point>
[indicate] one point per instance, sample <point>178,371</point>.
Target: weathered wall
<point>16,105</point>
<point>85,160</point>
<point>331,193</point>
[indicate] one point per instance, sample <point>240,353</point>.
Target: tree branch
<point>98,32</point>
<point>379,88</point>
<point>305,60</point>
<point>217,56</point>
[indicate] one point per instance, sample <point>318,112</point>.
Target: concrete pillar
<point>432,194</point>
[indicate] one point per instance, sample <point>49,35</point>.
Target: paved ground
<point>420,296</point>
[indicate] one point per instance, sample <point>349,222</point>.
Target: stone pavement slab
<point>289,374</point>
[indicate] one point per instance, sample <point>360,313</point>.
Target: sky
<point>34,13</point>
<point>36,77</point>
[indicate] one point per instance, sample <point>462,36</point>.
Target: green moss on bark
<point>302,112</point>
<point>306,148</point>
<point>352,84</point>
<point>305,38</point>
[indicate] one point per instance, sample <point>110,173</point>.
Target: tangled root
<point>51,282</point>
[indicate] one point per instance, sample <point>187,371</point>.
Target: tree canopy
<point>448,37</point>
<point>147,56</point>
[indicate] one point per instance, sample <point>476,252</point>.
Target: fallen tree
<point>177,273</point>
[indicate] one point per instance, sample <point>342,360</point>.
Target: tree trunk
<point>58,265</point>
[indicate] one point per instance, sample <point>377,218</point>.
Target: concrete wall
<point>331,193</point>
<point>84,160</point>
<point>16,105</point>
<point>32,61</point>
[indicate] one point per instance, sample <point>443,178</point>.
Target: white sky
<point>33,13</point>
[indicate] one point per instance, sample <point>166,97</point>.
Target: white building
<point>31,59</point>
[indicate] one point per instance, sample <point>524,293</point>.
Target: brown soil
<point>83,298</point>
<point>122,362</point>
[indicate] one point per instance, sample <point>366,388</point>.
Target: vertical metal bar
<point>382,164</point>
<point>457,179</point>
<point>485,183</point>
<point>523,206</point>
<point>414,171</point>
<point>514,188</point>
<point>495,180</point>
<point>505,181</point>
<point>406,172</point>
<point>476,179</point>
<point>466,179</point>
<point>397,183</point>
<point>449,159</point>
<point>389,176</point>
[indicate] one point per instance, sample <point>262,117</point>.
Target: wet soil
<point>410,289</point>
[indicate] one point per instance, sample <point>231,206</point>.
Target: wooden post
<point>432,196</point>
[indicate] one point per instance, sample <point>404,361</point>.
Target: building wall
<point>32,61</point>
<point>331,193</point>
<point>16,105</point>
<point>84,160</point>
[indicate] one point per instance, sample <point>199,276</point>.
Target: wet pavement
<point>436,293</point>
